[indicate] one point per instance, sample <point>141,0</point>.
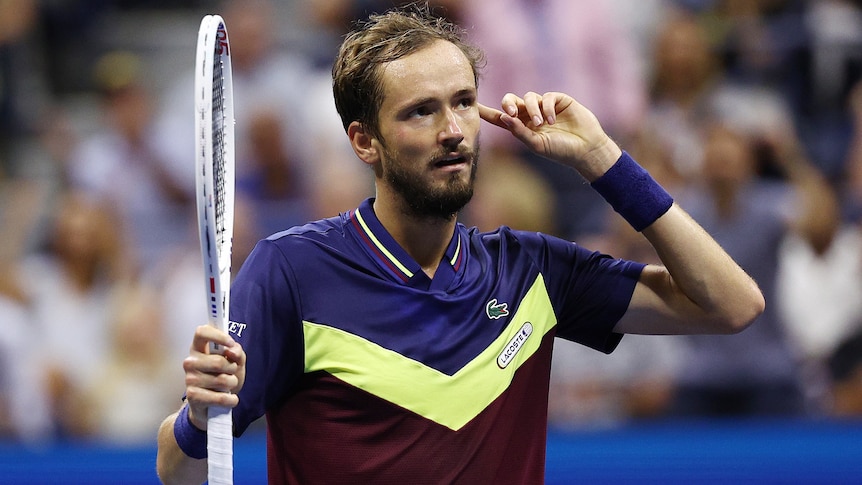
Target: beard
<point>422,200</point>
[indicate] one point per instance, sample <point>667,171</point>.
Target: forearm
<point>172,464</point>
<point>705,290</point>
<point>698,288</point>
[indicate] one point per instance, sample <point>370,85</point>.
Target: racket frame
<point>213,47</point>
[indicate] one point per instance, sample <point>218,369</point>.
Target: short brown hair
<point>383,38</point>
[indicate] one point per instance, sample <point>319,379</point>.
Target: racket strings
<point>219,149</point>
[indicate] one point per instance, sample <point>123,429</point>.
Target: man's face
<point>429,127</point>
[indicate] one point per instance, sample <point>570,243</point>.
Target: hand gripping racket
<point>214,164</point>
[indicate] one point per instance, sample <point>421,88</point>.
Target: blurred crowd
<point>748,111</point>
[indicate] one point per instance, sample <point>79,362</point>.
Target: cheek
<point>410,143</point>
<point>469,123</point>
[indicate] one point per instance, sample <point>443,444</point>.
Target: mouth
<point>452,160</point>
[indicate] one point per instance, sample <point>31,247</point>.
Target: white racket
<point>214,133</point>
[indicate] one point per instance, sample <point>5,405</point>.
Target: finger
<point>215,383</point>
<point>519,130</point>
<point>200,398</point>
<point>533,105</point>
<point>512,104</point>
<point>211,372</point>
<point>206,334</point>
<point>235,353</point>
<point>209,364</point>
<point>491,115</point>
<point>549,107</point>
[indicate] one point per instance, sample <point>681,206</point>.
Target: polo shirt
<point>369,371</point>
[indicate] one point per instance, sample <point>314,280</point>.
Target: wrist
<point>599,160</point>
<point>633,193</point>
<point>191,440</point>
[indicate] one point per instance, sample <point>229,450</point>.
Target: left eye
<point>420,112</point>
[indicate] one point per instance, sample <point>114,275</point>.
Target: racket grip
<point>219,446</point>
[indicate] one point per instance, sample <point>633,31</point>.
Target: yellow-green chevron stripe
<point>451,401</point>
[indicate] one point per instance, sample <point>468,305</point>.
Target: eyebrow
<point>471,91</point>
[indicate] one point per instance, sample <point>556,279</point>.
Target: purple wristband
<point>633,193</point>
<point>192,441</point>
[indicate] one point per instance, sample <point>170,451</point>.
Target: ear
<point>363,143</point>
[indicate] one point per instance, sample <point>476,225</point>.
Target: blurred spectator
<point>180,286</point>
<point>510,192</point>
<point>70,42</point>
<point>852,185</point>
<point>273,185</point>
<point>335,181</point>
<point>684,83</point>
<point>12,340</point>
<point>23,407</point>
<point>760,41</point>
<point>23,83</point>
<point>593,390</point>
<point>818,288</point>
<point>807,51</point>
<point>820,277</point>
<point>643,19</point>
<point>268,80</point>
<point>757,371</point>
<point>286,122</point>
<point>131,392</point>
<point>124,165</point>
<point>179,279</point>
<point>24,413</point>
<point>845,370</point>
<point>326,21</point>
<point>70,289</point>
<point>691,90</point>
<point>835,66</point>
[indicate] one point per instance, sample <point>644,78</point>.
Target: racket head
<point>214,162</point>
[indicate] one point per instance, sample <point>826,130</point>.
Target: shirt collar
<point>393,259</point>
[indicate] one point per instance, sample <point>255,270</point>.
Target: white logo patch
<point>515,345</point>
<point>236,327</point>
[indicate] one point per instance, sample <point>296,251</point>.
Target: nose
<point>451,135</point>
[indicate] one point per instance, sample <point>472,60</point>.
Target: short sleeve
<point>265,319</point>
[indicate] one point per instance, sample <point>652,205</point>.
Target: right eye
<point>419,112</point>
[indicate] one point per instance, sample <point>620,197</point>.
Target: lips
<point>451,160</point>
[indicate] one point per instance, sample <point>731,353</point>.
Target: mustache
<point>462,151</point>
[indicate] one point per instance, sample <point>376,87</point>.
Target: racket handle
<point>219,446</point>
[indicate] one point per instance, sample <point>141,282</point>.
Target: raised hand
<point>557,127</point>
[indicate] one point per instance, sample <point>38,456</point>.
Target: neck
<point>424,238</point>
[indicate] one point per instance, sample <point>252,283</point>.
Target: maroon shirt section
<point>331,432</point>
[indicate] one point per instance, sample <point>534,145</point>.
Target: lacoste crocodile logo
<point>496,310</point>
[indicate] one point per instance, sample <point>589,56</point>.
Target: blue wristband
<point>192,441</point>
<point>633,193</point>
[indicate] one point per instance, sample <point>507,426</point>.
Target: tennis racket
<point>214,132</point>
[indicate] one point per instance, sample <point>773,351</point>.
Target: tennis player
<point>392,344</point>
